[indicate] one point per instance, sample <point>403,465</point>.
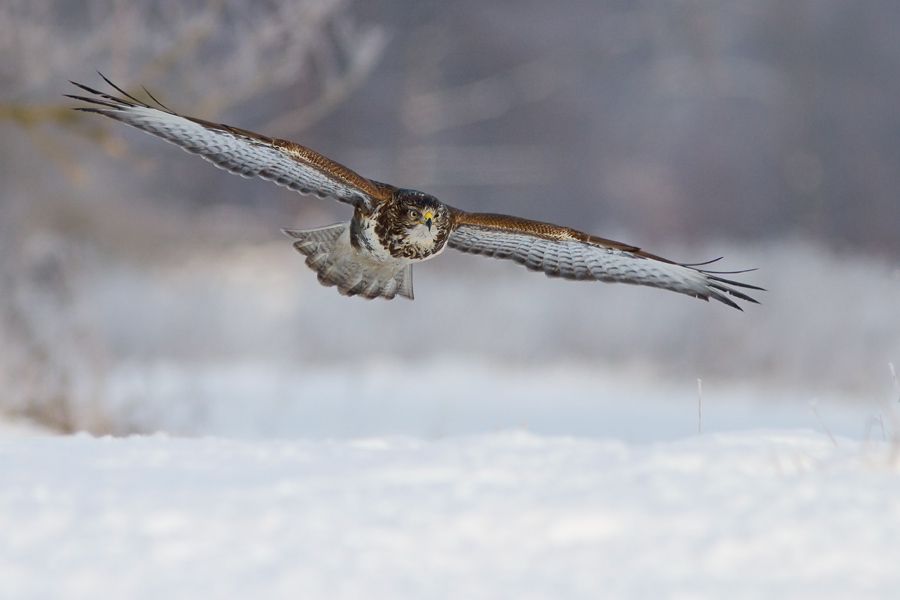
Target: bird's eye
<point>413,213</point>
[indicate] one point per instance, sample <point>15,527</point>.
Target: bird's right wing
<point>564,252</point>
<point>239,151</point>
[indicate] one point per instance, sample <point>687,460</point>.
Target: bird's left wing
<point>571,254</point>
<point>239,151</point>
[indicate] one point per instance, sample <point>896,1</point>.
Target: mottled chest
<point>364,237</point>
<point>384,235</point>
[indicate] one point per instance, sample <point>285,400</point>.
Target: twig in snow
<point>699,405</point>
<point>813,406</point>
<point>894,377</point>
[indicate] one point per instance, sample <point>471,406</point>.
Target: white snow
<point>754,514</point>
<point>451,396</point>
<point>547,448</point>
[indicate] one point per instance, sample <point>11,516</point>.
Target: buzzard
<point>392,228</point>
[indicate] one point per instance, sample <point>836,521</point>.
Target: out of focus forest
<point>140,287</point>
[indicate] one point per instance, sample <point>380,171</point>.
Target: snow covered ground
<point>469,481</point>
<point>548,447</point>
<point>444,397</point>
<point>512,514</point>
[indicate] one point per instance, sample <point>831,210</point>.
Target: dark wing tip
<point>121,102</point>
<point>740,284</point>
<point>724,290</point>
<point>121,91</point>
<point>158,103</point>
<point>702,264</point>
<point>91,101</point>
<point>721,295</point>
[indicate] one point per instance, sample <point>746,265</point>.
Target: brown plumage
<point>537,229</point>
<point>392,228</point>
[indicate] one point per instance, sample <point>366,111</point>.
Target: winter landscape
<point>186,412</point>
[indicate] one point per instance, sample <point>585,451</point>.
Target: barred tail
<point>329,253</point>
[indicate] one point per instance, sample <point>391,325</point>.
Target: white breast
<point>368,242</point>
<point>425,239</point>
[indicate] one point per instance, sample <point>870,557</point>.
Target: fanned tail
<point>329,253</point>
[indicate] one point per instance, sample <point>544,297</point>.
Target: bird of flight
<point>393,228</point>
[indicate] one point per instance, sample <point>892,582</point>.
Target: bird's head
<point>423,216</point>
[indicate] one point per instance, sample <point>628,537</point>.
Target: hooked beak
<point>428,224</point>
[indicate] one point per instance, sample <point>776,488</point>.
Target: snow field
<point>757,514</point>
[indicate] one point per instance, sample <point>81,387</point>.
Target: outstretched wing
<point>563,252</point>
<point>245,153</point>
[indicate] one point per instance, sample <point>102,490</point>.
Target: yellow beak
<point>429,218</point>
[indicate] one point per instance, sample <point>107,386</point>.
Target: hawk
<point>393,228</point>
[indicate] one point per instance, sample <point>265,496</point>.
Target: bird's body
<point>373,255</point>
<point>392,228</point>
<point>409,225</point>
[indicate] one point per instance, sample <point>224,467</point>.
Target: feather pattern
<point>571,254</point>
<point>329,253</point>
<point>239,151</point>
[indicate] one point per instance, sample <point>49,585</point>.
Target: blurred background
<point>141,289</point>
